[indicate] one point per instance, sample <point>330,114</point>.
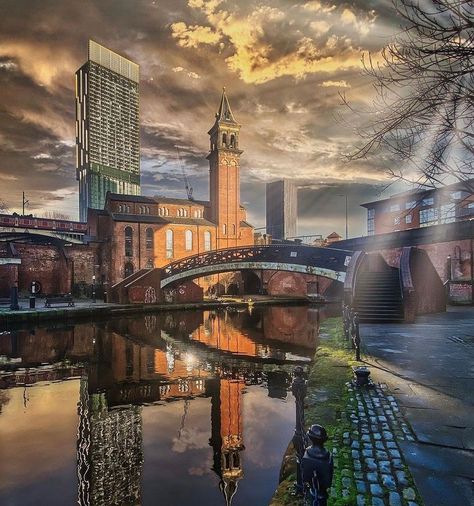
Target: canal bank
<point>88,310</point>
<point>366,430</point>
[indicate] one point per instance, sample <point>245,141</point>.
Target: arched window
<point>232,141</point>
<point>128,269</point>
<point>224,229</point>
<point>185,212</point>
<point>128,241</point>
<point>167,211</point>
<point>149,238</point>
<point>188,240</point>
<point>224,139</point>
<point>169,243</point>
<point>207,240</point>
<point>160,211</point>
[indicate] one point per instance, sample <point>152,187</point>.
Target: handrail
<point>406,280</point>
<point>352,271</point>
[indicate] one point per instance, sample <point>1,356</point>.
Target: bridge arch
<point>327,262</point>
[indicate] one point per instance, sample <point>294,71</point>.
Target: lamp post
<point>298,389</point>
<point>347,228</point>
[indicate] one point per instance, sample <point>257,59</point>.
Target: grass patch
<point>327,398</point>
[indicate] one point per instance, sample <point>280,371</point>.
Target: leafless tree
<point>56,215</point>
<point>3,207</point>
<point>424,107</point>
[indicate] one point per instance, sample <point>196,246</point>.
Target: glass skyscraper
<point>107,128</point>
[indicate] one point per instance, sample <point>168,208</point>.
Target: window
<point>410,205</point>
<point>370,221</point>
<point>128,269</point>
<point>396,220</point>
<point>232,141</point>
<point>427,202</point>
<point>456,195</point>
<point>149,238</point>
<point>128,241</point>
<point>408,218</point>
<point>394,208</point>
<point>169,243</point>
<point>207,240</point>
<point>224,229</point>
<point>447,213</point>
<point>149,264</point>
<point>188,240</point>
<point>234,230</point>
<point>224,139</point>
<point>428,217</point>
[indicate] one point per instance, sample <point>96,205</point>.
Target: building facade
<point>281,209</point>
<point>137,232</point>
<point>107,128</point>
<point>420,208</point>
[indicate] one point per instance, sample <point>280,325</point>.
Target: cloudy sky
<point>284,64</point>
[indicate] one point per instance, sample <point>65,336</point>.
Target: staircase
<point>378,296</point>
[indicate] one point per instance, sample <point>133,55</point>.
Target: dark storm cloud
<point>283,63</point>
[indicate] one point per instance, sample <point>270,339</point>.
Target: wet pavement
<point>429,368</point>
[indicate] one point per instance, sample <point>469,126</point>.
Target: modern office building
<point>107,128</point>
<point>281,209</point>
<point>421,208</point>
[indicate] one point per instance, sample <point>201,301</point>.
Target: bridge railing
<point>329,258</point>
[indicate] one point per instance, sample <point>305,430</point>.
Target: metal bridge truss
<point>327,262</point>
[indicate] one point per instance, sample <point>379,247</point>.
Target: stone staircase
<point>378,296</point>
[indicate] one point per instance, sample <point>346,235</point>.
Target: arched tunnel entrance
<point>252,283</point>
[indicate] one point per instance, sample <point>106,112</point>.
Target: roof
<point>245,224</point>
<point>333,235</point>
<point>225,112</point>
<point>179,202</point>
<point>422,191</point>
<point>130,198</point>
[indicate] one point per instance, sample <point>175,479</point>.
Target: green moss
<point>327,400</point>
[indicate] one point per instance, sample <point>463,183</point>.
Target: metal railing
<point>350,319</point>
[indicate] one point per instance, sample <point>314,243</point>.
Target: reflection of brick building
<point>143,232</point>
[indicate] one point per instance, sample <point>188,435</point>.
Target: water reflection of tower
<point>109,451</point>
<point>227,432</point>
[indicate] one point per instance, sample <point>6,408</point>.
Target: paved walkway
<point>368,453</point>
<point>429,368</point>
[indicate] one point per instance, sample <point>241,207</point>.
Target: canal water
<point>178,408</point>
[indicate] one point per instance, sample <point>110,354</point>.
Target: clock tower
<point>224,167</point>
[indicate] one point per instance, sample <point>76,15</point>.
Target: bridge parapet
<point>328,262</point>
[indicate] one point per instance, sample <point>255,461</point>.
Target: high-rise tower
<point>281,209</point>
<point>224,162</point>
<point>107,128</point>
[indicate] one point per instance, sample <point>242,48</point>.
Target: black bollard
<point>14,298</point>
<point>298,389</point>
<point>317,466</point>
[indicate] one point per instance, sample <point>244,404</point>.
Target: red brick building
<point>420,208</point>
<point>136,232</point>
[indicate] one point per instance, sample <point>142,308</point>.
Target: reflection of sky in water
<point>178,471</point>
<point>155,366</point>
<point>38,448</point>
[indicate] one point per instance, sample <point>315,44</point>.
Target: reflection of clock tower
<point>224,161</point>
<point>227,432</point>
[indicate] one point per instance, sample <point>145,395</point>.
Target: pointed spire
<point>225,112</point>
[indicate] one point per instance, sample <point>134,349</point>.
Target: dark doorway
<point>128,271</point>
<point>252,283</point>
<point>233,289</point>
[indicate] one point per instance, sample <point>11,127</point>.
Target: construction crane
<point>189,189</point>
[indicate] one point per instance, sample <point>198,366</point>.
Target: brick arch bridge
<point>328,262</point>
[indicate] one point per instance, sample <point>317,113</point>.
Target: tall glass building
<point>107,128</point>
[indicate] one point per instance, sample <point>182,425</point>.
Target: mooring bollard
<point>317,466</point>
<point>298,389</point>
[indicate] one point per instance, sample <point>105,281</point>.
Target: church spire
<point>225,112</point>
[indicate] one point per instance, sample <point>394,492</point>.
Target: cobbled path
<point>370,470</point>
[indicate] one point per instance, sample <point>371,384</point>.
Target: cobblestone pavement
<point>370,470</point>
